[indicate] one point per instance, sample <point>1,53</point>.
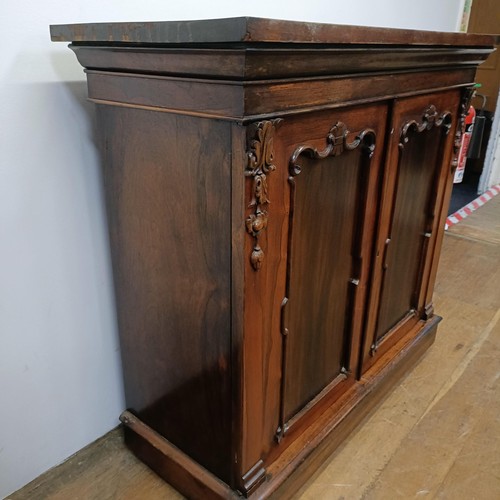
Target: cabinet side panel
<point>168,193</point>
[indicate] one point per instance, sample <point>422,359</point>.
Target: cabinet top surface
<point>249,30</point>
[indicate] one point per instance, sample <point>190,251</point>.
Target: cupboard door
<point>417,171</point>
<point>333,198</point>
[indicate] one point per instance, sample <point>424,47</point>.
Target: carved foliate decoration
<point>260,157</point>
<point>337,143</point>
<point>464,108</point>
<point>430,118</point>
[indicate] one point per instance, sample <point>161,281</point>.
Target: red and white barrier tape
<point>472,206</point>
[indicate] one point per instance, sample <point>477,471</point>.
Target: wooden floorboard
<point>101,471</point>
<point>437,435</point>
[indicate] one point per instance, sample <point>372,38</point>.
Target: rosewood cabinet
<point>276,196</point>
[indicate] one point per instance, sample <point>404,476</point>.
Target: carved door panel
<point>418,167</point>
<point>333,170</point>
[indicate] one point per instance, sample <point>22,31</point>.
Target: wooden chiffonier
<point>277,194</point>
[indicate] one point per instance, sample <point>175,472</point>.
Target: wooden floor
<point>436,436</point>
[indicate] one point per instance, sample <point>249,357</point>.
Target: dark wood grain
<point>216,99</point>
<point>418,167</point>
<point>326,212</point>
<point>416,174</point>
<point>444,192</point>
<point>260,63</point>
<point>255,30</point>
<point>312,447</point>
<point>263,291</point>
<point>169,224</point>
<point>170,462</point>
<point>280,97</point>
<point>238,211</point>
<point>270,99</point>
<point>321,266</point>
<point>249,294</point>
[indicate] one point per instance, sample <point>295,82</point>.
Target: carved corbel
<point>260,158</point>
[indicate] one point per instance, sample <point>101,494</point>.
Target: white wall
<point>60,380</point>
<point>495,171</point>
<point>491,172</point>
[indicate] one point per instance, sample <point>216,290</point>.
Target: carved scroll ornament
<point>337,143</point>
<point>259,164</point>
<point>430,118</point>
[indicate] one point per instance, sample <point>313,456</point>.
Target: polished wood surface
<point>185,473</point>
<point>326,433</point>
<point>169,226</point>
<point>262,62</point>
<point>255,30</point>
<point>418,174</point>
<point>259,305</point>
<point>319,303</point>
<point>332,200</point>
<point>239,101</point>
